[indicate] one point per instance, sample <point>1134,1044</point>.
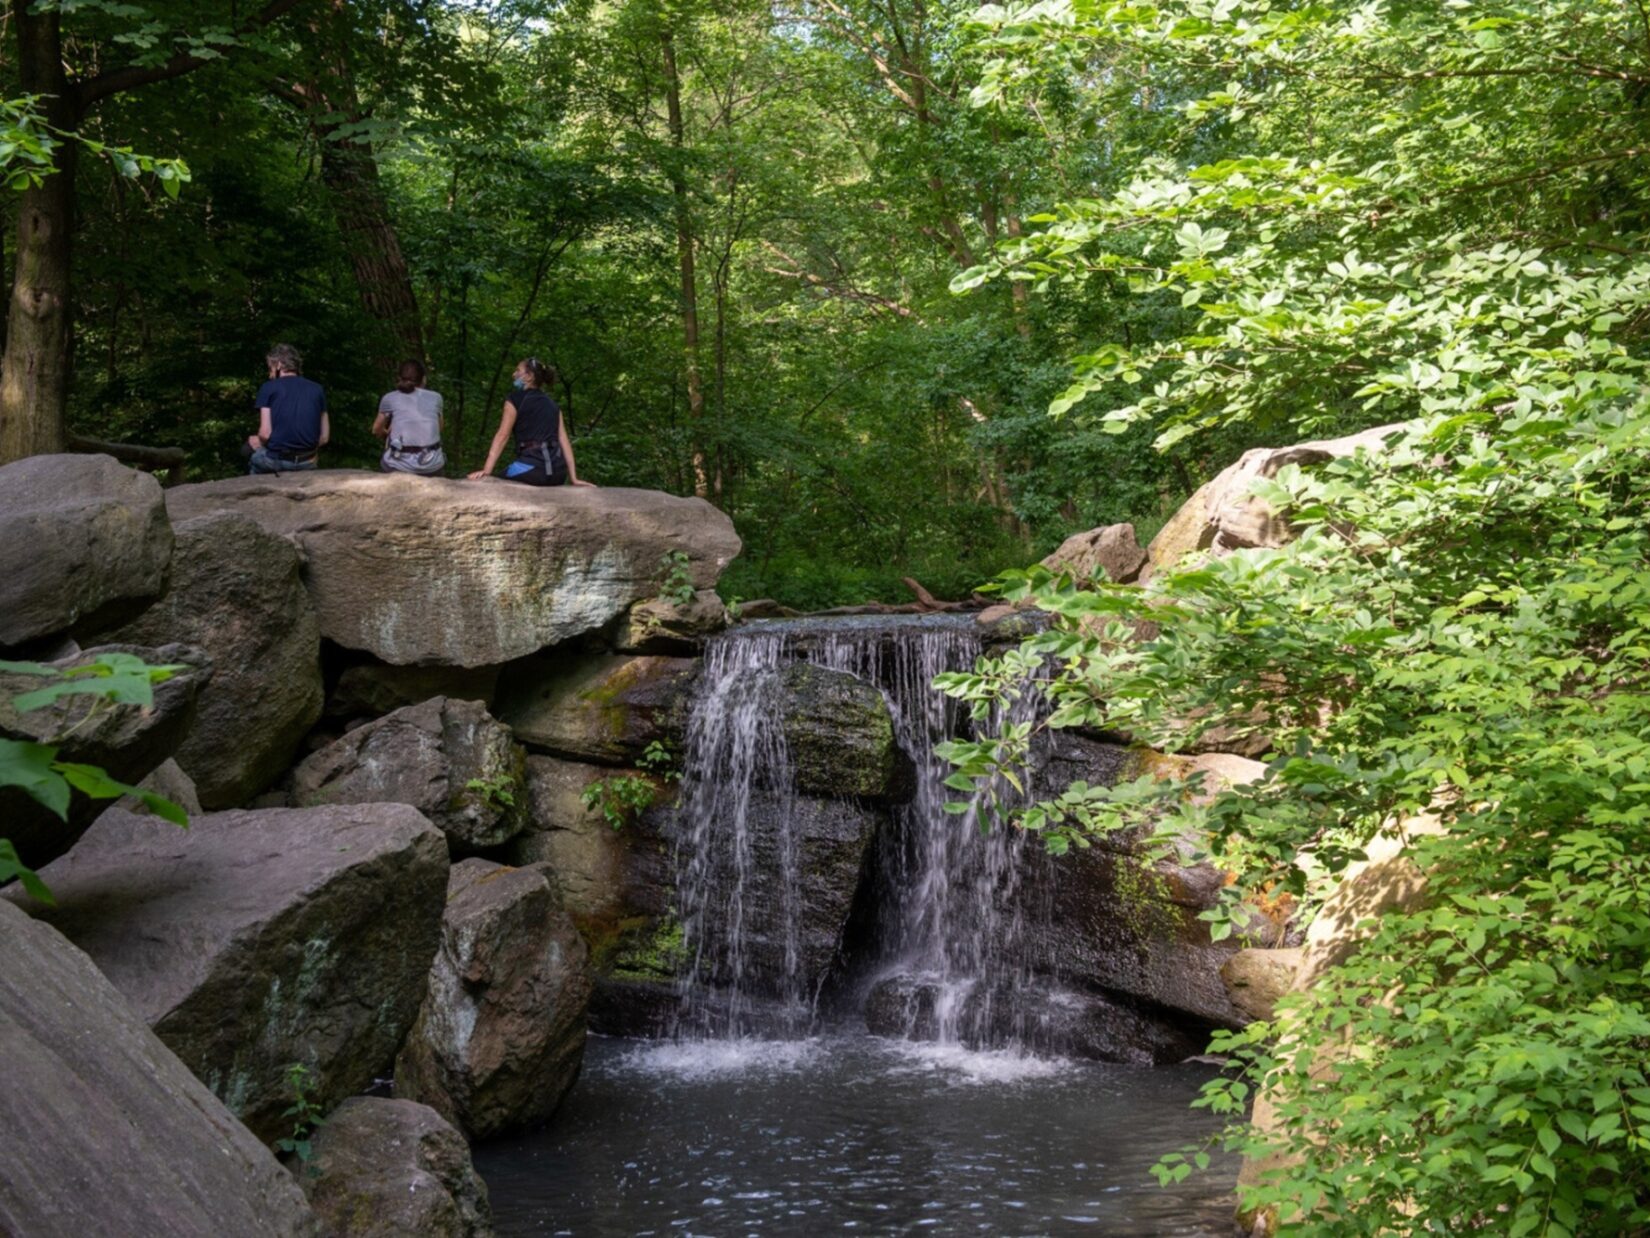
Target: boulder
<point>235,592</point>
<point>80,537</point>
<point>105,1131</point>
<point>1111,551</point>
<point>841,736</point>
<point>431,571</point>
<point>373,689</point>
<point>167,780</point>
<point>451,760</point>
<point>1257,978</point>
<point>1224,516</point>
<point>256,940</point>
<point>1113,918</point>
<point>599,707</point>
<point>588,856</point>
<point>383,1168</point>
<point>660,625</point>
<point>500,1037</point>
<point>125,741</point>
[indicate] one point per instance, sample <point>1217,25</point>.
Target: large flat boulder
<point>103,1131</point>
<point>80,536</point>
<point>255,940</point>
<point>385,1168</point>
<point>605,708</point>
<point>421,570</point>
<point>451,760</point>
<point>500,1038</point>
<point>126,741</point>
<point>235,592</point>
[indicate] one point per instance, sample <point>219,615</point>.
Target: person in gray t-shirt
<point>409,421</point>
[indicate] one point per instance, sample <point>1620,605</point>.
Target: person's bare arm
<point>265,429</point>
<point>567,454</point>
<point>506,423</point>
<point>326,429</point>
<point>381,425</point>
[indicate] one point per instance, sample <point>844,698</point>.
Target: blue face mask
<point>518,384</point>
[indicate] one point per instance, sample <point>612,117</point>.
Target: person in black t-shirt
<point>544,453</point>
<point>292,416</point>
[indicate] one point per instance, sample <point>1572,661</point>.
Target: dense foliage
<point>1431,214</point>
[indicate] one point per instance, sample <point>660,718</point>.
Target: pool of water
<point>855,1134</point>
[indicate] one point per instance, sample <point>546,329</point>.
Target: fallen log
<point>169,460</point>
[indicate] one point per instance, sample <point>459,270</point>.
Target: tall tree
<point>35,372</point>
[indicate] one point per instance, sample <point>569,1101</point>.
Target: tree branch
<point>115,81</point>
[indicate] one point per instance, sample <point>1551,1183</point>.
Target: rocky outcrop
<point>841,736</point>
<point>125,741</point>
<point>500,1037</point>
<point>255,940</point>
<point>1110,552</point>
<point>599,707</point>
<point>1224,516</point>
<point>80,537</point>
<point>372,690</point>
<point>451,760</point>
<point>660,625</point>
<point>103,1131</point>
<point>235,592</point>
<point>384,1168</point>
<point>1119,921</point>
<point>421,570</point>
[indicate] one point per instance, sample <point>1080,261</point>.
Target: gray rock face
<point>255,940</point>
<point>429,756</point>
<point>126,742</point>
<point>105,1133</point>
<point>1111,552</point>
<point>394,1169</point>
<point>79,536</point>
<point>598,707</point>
<point>235,592</point>
<point>659,625</point>
<point>841,736</point>
<point>427,571</point>
<point>1117,921</point>
<point>371,691</point>
<point>500,1038</point>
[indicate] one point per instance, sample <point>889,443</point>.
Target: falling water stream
<point>770,1112</point>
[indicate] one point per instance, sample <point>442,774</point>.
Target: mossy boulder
<point>841,736</point>
<point>602,708</point>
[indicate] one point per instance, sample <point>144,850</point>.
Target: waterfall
<point>949,942</point>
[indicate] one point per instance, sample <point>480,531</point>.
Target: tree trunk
<point>684,252</point>
<point>34,376</point>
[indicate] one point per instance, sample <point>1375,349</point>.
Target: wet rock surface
<point>602,708</point>
<point>451,760</point>
<point>255,940</point>
<point>840,736</point>
<point>385,1168</point>
<point>103,1130</point>
<point>500,1037</point>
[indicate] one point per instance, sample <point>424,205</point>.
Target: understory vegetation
<point>1433,216</point>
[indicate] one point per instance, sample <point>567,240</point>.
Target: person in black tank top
<point>533,421</point>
